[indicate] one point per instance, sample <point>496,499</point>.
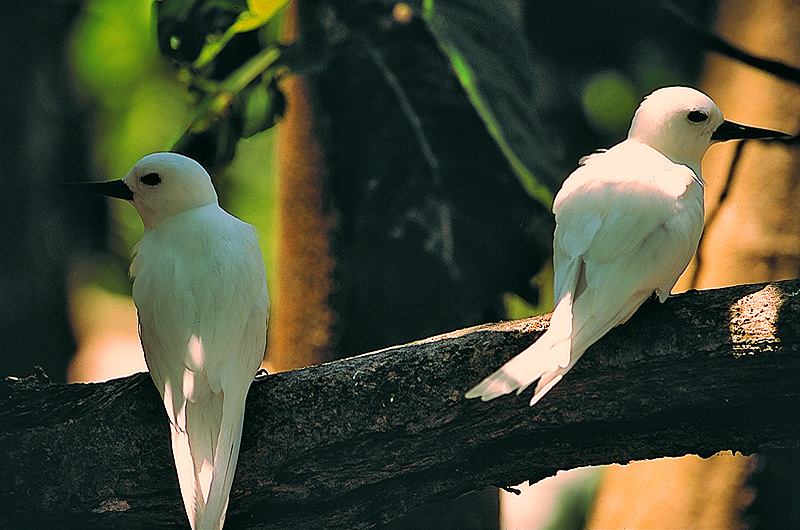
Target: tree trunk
<point>302,320</point>
<point>42,142</point>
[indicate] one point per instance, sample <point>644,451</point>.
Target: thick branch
<point>355,442</point>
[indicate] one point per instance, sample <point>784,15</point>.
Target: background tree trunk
<point>302,320</point>
<point>43,141</point>
<point>401,219</point>
<point>752,234</point>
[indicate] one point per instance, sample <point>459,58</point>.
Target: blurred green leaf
<point>609,100</point>
<point>185,27</point>
<point>110,48</point>
<point>487,50</point>
<point>230,68</point>
<point>264,104</point>
<point>259,13</point>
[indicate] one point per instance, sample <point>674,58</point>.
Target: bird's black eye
<point>697,116</point>
<point>151,179</point>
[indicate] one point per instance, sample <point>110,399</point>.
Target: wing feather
<point>650,225</point>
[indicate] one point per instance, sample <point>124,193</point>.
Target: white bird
<point>628,221</point>
<point>201,292</point>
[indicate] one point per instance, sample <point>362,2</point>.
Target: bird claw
<point>509,489</point>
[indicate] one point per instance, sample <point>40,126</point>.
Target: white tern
<point>628,221</point>
<point>200,288</point>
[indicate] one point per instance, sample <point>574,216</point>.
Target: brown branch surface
<point>359,441</point>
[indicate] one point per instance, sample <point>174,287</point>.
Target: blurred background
<point>398,160</point>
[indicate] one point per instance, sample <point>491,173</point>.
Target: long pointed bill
<point>734,131</point>
<point>111,188</point>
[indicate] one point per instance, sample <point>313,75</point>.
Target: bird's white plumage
<point>201,293</point>
<point>628,221</point>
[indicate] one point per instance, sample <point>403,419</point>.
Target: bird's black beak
<point>735,131</point>
<point>111,188</point>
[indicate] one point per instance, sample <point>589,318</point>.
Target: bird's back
<point>201,274</point>
<point>632,219</point>
<point>200,289</point>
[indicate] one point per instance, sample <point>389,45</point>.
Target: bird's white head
<point>678,122</point>
<point>166,184</point>
<point>682,123</point>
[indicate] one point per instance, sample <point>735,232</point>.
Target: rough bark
<point>355,442</point>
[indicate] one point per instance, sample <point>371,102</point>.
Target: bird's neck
<point>158,222</point>
<point>678,153</point>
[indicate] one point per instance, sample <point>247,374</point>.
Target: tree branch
<point>359,441</point>
<point>711,41</point>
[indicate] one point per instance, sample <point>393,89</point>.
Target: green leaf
<point>486,47</point>
<point>217,102</point>
<point>258,14</point>
<point>185,27</point>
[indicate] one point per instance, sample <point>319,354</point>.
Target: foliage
<point>227,50</point>
<point>497,75</point>
<point>230,53</point>
<point>435,224</point>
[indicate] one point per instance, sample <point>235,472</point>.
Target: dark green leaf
<point>183,26</point>
<point>262,107</point>
<point>486,48</point>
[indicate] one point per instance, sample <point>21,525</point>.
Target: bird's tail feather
<point>225,459</point>
<point>584,335</point>
<point>546,382</point>
<point>195,444</point>
<point>181,452</point>
<point>542,357</point>
<point>545,356</point>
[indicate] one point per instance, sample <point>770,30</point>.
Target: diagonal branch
<point>354,442</point>
<point>713,42</point>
